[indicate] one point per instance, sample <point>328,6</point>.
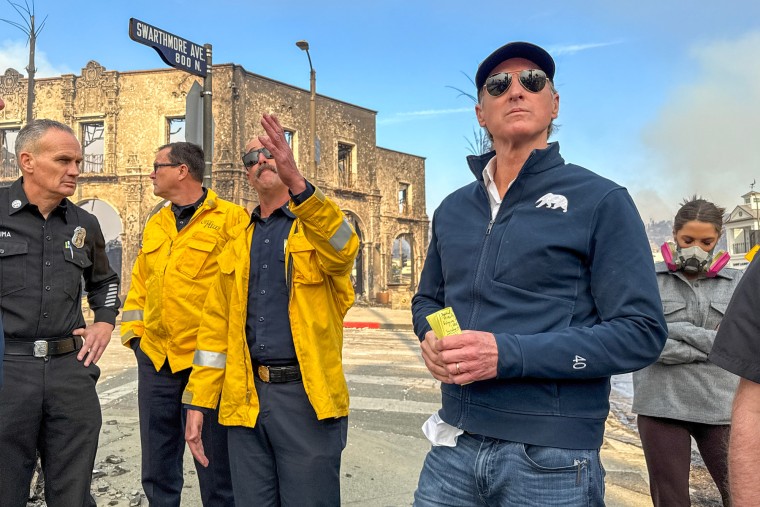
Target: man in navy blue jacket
<point>548,270</point>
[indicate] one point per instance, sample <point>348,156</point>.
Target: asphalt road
<point>392,394</point>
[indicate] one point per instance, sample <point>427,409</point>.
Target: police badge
<point>78,238</point>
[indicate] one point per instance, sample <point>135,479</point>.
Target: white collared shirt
<point>494,198</point>
<point>438,431</point>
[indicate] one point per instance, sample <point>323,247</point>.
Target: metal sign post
<point>194,114</point>
<point>190,57</point>
<point>208,131</point>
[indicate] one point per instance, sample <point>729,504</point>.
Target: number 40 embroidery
<point>579,363</point>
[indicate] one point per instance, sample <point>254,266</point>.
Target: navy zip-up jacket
<point>564,279</point>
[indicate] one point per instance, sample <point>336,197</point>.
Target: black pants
<point>48,405</point>
<point>289,458</point>
<point>667,450</point>
<point>162,436</point>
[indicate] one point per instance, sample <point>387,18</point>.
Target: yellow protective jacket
<point>171,277</point>
<point>319,255</point>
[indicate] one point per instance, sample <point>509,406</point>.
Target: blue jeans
<point>488,471</point>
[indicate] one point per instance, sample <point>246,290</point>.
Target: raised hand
<point>276,143</point>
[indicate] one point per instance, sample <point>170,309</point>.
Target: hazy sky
<point>662,97</point>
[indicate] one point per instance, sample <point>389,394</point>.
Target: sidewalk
<point>378,317</point>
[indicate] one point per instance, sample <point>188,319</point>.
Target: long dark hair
<point>701,210</point>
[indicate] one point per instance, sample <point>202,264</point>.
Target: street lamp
<point>304,45</point>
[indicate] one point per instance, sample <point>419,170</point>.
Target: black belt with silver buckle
<point>278,374</point>
<point>43,348</point>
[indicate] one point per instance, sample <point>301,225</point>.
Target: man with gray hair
<point>557,293</point>
<point>48,246</point>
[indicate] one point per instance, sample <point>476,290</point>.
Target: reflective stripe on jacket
<point>319,254</point>
<point>171,278</point>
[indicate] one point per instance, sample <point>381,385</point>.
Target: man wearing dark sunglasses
<point>271,338</point>
<point>170,279</point>
<point>548,270</point>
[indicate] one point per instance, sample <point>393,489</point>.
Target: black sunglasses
<point>251,158</point>
<point>532,80</point>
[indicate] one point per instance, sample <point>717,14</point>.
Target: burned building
<point>122,117</point>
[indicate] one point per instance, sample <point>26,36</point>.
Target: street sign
<point>173,50</point>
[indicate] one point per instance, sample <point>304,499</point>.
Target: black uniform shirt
<point>183,214</point>
<point>41,269</point>
<point>737,345</point>
<point>267,326</point>
<point>2,348</point>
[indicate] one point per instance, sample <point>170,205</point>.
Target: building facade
<point>121,118</point>
<point>743,229</point>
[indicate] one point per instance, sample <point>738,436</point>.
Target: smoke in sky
<point>704,141</point>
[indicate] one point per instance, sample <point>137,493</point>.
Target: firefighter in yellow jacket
<point>269,347</point>
<point>170,280</point>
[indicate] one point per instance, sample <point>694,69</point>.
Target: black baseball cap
<point>526,50</point>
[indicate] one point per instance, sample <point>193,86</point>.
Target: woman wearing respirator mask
<point>682,395</point>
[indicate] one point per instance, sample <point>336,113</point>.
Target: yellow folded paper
<point>751,254</point>
<point>444,323</point>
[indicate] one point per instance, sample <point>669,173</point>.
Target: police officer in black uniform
<point>2,347</point>
<point>48,246</point>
